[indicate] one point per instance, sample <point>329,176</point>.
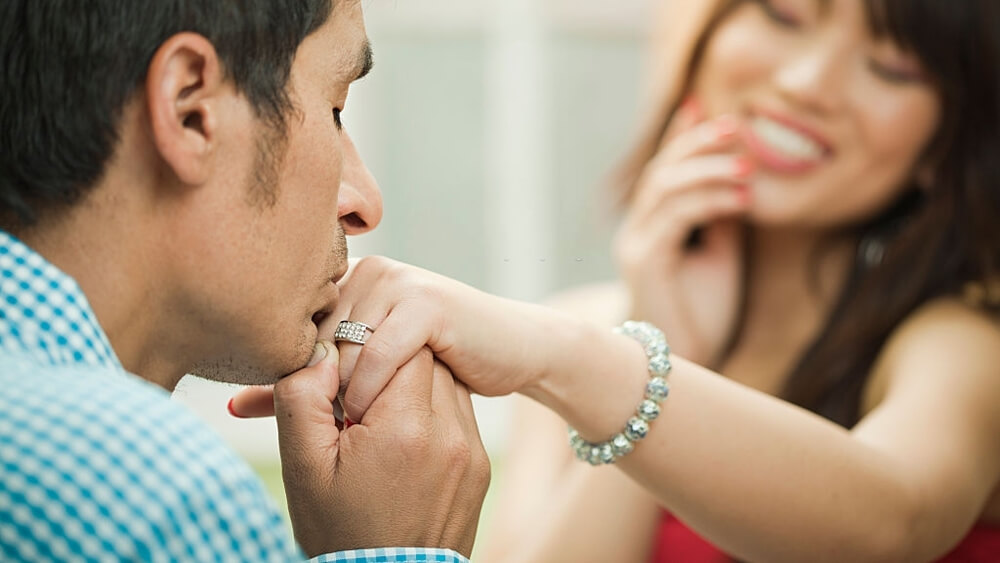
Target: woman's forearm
<point>759,477</point>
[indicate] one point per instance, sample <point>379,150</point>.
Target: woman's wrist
<point>593,378</point>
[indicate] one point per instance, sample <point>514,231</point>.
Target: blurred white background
<point>492,127</point>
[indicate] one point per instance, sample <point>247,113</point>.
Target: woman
<point>842,108</point>
<point>809,223</point>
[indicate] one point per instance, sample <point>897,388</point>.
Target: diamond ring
<point>350,331</point>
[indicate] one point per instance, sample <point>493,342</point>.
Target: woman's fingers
<point>687,116</point>
<point>402,333</point>
<point>709,178</point>
<point>253,402</point>
<point>720,134</point>
<point>410,389</point>
<point>664,233</point>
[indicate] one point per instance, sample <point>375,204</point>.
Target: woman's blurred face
<point>835,118</point>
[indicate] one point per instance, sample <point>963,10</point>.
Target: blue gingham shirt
<point>97,464</point>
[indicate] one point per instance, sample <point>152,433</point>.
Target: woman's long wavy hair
<point>936,241</point>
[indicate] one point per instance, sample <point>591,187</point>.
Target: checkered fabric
<point>97,464</point>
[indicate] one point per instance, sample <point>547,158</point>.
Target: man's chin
<point>268,365</point>
<point>241,373</point>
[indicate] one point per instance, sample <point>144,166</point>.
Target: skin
<point>185,177</point>
<point>903,485</point>
<point>819,67</point>
<point>210,245</point>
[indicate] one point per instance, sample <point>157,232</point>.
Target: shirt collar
<point>44,313</point>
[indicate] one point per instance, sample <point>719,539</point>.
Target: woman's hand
<point>680,247</point>
<point>488,342</point>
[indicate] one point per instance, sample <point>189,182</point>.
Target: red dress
<point>676,543</point>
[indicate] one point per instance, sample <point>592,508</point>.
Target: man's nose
<point>359,199</point>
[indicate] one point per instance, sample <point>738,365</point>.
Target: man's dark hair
<point>70,66</point>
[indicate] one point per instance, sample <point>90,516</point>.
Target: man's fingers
<point>253,402</point>
<point>463,400</point>
<point>303,403</point>
<point>443,398</point>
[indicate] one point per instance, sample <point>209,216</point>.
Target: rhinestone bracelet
<point>655,346</point>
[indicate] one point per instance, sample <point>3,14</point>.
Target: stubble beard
<point>261,193</point>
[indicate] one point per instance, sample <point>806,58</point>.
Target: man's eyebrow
<point>365,62</point>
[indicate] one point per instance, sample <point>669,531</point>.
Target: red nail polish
<point>690,105</point>
<point>347,423</point>
<point>743,192</point>
<point>229,407</point>
<point>726,127</point>
<point>744,166</point>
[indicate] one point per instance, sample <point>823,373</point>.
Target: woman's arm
<point>766,480</point>
<point>761,478</point>
<point>552,507</point>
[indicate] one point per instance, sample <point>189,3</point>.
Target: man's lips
<point>332,298</point>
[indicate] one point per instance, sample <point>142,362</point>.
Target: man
<point>175,187</point>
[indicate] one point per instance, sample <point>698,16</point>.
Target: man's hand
<point>412,472</point>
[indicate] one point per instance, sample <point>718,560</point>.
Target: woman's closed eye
<point>894,65</point>
<point>791,14</point>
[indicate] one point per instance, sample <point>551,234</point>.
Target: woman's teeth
<point>785,141</point>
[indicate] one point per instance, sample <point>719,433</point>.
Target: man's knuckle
<point>482,471</point>
<point>414,439</point>
<point>458,452</point>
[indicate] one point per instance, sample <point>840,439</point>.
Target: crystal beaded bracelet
<point>655,346</point>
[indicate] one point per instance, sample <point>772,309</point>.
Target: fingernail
<point>319,352</point>
<point>690,104</point>
<point>726,126</point>
<point>232,412</point>
<point>743,167</point>
<point>743,193</point>
<point>347,423</point>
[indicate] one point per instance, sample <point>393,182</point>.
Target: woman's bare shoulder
<point>943,331</point>
<point>605,303</point>
<point>949,321</point>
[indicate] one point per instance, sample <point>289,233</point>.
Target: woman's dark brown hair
<point>937,239</point>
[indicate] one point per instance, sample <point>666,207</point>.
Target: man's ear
<point>184,85</point>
